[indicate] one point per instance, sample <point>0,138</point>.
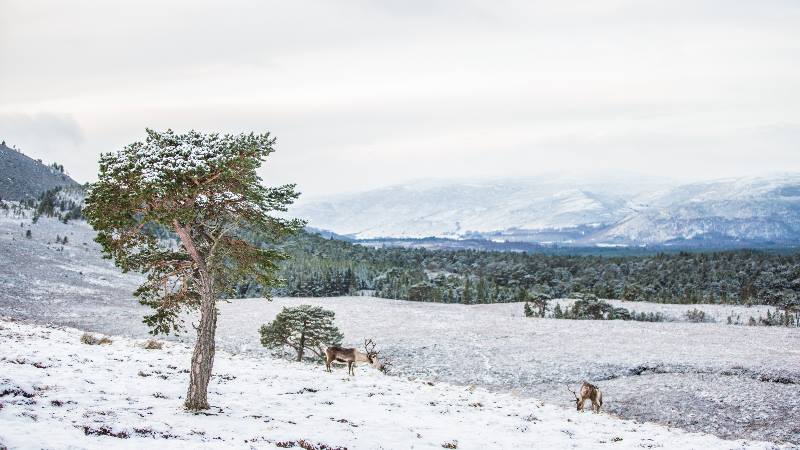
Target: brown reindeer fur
<point>347,355</point>
<point>591,392</point>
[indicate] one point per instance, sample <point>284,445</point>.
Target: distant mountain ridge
<point>22,177</point>
<point>573,211</point>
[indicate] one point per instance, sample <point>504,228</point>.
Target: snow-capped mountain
<point>472,208</point>
<point>749,210</point>
<point>571,210</point>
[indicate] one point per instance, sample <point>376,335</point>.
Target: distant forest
<point>321,267</point>
<point>325,267</point>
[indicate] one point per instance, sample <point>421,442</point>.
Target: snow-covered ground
<point>58,393</point>
<point>63,283</point>
<point>732,381</point>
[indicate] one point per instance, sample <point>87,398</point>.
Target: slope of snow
<point>455,209</point>
<point>616,210</point>
<point>56,392</point>
<point>749,209</point>
<point>50,281</point>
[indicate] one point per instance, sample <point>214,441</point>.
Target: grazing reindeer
<point>351,356</point>
<point>588,392</point>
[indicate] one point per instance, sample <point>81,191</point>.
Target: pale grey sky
<point>367,93</point>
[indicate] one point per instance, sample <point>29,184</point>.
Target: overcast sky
<point>367,93</point>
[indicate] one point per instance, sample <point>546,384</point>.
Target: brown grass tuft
<point>90,339</point>
<point>153,344</point>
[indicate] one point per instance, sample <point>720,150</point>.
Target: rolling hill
<point>22,177</point>
<point>572,211</point>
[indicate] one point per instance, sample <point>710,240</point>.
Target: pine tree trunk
<point>203,356</point>
<point>301,347</point>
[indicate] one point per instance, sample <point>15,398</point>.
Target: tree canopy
<point>302,328</point>
<point>203,187</point>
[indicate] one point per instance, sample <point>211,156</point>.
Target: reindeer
<point>351,356</point>
<point>588,392</point>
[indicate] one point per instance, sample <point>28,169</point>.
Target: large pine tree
<point>203,189</point>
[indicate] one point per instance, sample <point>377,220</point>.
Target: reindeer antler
<point>369,347</point>
<point>573,392</point>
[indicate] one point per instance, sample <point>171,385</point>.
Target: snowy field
<point>56,392</point>
<point>731,381</point>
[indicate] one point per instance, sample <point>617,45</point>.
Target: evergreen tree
<point>466,296</point>
<point>302,328</point>
<point>204,189</point>
<point>557,312</point>
<point>540,300</point>
<point>528,310</point>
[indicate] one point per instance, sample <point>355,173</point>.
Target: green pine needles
<point>204,189</point>
<point>302,328</point>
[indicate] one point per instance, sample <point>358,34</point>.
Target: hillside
<point>756,210</point>
<point>681,369</point>
<point>476,208</point>
<point>56,390</point>
<point>22,177</point>
<point>740,212</point>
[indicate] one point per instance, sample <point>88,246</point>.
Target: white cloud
<point>364,93</point>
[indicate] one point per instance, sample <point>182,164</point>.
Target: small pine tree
<point>28,234</point>
<point>302,328</point>
<point>558,313</point>
<point>466,297</point>
<point>528,310</point>
<point>540,300</point>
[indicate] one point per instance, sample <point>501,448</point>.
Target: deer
<point>351,356</point>
<point>588,392</point>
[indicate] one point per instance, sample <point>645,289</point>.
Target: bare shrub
<point>698,316</point>
<point>90,339</point>
<point>153,344</point>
